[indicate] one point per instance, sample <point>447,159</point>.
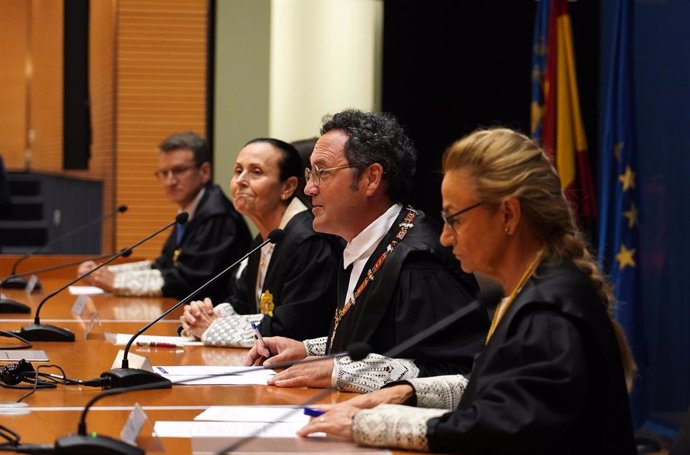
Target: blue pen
<point>311,412</point>
<point>258,336</point>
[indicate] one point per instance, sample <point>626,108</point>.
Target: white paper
<point>166,429</point>
<point>254,414</point>
<point>85,290</point>
<point>121,339</point>
<point>177,374</point>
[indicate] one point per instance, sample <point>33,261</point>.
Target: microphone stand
<point>16,281</point>
<point>83,442</point>
<point>125,376</point>
<point>12,306</point>
<point>39,332</point>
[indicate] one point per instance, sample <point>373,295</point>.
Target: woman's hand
<point>279,349</point>
<point>337,422</point>
<point>198,317</point>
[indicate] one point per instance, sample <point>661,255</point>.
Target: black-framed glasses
<point>451,219</point>
<point>317,174</point>
<point>177,171</point>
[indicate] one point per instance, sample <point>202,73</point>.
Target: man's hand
<point>281,350</point>
<point>337,422</point>
<point>103,278</point>
<point>316,374</point>
<point>198,316</point>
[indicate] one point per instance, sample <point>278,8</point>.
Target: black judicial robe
<point>550,381</point>
<point>301,279</point>
<point>215,237</point>
<point>419,284</point>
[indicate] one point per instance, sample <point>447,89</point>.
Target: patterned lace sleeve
<point>392,425</point>
<point>130,266</point>
<point>139,282</point>
<point>231,331</point>
<point>439,391</point>
<point>372,373</point>
<point>224,310</point>
<point>316,346</point>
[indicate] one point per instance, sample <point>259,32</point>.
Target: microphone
<point>39,332</point>
<point>125,376</point>
<point>82,442</point>
<point>488,296</point>
<point>17,282</point>
<point>12,306</point>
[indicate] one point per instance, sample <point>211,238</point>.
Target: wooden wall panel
<point>13,45</point>
<point>102,93</point>
<point>161,89</point>
<point>45,98</point>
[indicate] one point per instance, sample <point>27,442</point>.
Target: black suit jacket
<point>212,240</point>
<point>301,279</point>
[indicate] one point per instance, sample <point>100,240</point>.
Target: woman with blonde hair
<point>552,376</point>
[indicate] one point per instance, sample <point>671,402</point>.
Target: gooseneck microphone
<point>83,442</point>
<point>16,281</point>
<point>12,306</point>
<point>125,376</point>
<point>40,332</point>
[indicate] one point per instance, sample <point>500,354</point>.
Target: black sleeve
<point>308,296</point>
<point>532,392</point>
<point>5,203</point>
<point>213,246</point>
<point>239,293</point>
<point>428,292</point>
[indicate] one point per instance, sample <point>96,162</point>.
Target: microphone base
<point>40,332</point>
<point>19,283</point>
<point>127,377</point>
<point>88,445</point>
<point>12,306</point>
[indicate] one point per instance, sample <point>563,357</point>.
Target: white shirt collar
<point>364,243</point>
<point>296,206</point>
<point>191,208</point>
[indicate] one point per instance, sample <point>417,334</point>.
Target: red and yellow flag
<point>556,117</point>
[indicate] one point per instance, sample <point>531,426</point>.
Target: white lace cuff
<point>130,266</point>
<point>315,346</point>
<point>372,373</point>
<point>439,391</point>
<point>147,282</point>
<point>224,310</point>
<point>231,331</point>
<point>392,425</point>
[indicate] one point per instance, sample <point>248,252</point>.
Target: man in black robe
<point>214,237</point>
<point>395,278</point>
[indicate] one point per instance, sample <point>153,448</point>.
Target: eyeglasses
<point>317,174</point>
<point>177,171</point>
<point>451,220</point>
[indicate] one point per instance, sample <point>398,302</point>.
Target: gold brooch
<point>266,303</point>
<point>176,254</point>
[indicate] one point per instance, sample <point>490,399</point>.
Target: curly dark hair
<point>377,137</point>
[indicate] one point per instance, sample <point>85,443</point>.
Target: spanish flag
<point>556,118</point>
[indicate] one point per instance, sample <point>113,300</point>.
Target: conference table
<point>53,413</point>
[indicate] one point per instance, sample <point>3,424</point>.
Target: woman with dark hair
<point>289,287</point>
<point>552,376</point>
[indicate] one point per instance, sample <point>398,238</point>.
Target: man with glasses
<point>212,239</point>
<point>395,277</point>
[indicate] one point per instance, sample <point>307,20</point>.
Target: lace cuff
<point>372,373</point>
<point>315,346</point>
<point>130,266</point>
<point>439,391</point>
<point>225,310</point>
<point>231,331</point>
<point>139,282</point>
<point>392,425</point>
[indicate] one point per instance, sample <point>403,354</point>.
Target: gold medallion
<point>266,303</point>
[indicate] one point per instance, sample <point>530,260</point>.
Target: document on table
<point>254,414</point>
<point>85,290</point>
<point>121,339</point>
<point>170,429</point>
<point>227,375</point>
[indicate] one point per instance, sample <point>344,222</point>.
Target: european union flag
<point>618,227</point>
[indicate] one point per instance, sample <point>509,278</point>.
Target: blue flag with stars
<point>619,253</point>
